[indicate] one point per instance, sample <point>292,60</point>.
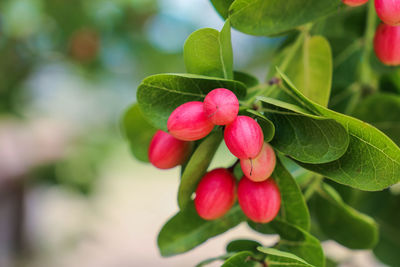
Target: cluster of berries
<point>387,35</point>
<point>258,196</point>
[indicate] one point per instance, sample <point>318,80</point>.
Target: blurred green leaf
<point>242,244</point>
<point>222,7</point>
<point>342,223</point>
<point>383,111</point>
<point>310,69</point>
<point>278,258</point>
<point>160,94</point>
<point>187,230</point>
<point>209,52</point>
<point>270,17</point>
<point>242,259</point>
<point>138,132</point>
<point>197,167</point>
<point>248,79</point>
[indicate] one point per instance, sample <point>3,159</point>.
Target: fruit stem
<point>366,73</point>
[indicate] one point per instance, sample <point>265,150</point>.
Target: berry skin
<point>261,167</point>
<point>354,2</point>
<point>388,11</point>
<point>165,151</point>
<point>387,44</point>
<point>221,106</point>
<point>215,194</point>
<point>244,137</point>
<point>260,201</point>
<point>188,122</point>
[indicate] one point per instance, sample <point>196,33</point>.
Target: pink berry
<point>215,194</point>
<point>388,11</point>
<point>260,201</point>
<point>244,137</point>
<point>354,2</point>
<point>221,106</point>
<point>261,167</point>
<point>387,44</point>
<point>188,122</point>
<point>166,151</point>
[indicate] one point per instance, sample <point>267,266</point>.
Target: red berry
<point>244,137</point>
<point>354,2</point>
<point>387,44</point>
<point>261,167</point>
<point>166,151</point>
<point>215,194</point>
<point>188,122</point>
<point>260,201</point>
<point>221,106</point>
<point>388,11</point>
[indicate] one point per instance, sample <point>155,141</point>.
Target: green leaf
<point>138,132</point>
<point>383,111</point>
<point>278,258</point>
<point>242,259</point>
<point>209,52</point>
<point>299,242</point>
<point>342,223</point>
<point>310,69</point>
<point>309,140</point>
<point>242,244</point>
<point>267,126</point>
<point>247,79</point>
<point>271,17</point>
<point>372,160</point>
<point>187,230</point>
<point>222,7</point>
<point>160,94</point>
<point>293,206</point>
<point>210,260</point>
<point>197,167</point>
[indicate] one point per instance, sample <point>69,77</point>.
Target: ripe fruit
<point>215,194</point>
<point>387,44</point>
<point>261,167</point>
<point>354,2</point>
<point>166,151</point>
<point>188,122</point>
<point>388,11</point>
<point>221,106</point>
<point>260,201</point>
<point>244,137</point>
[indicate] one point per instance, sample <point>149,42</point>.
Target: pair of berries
<point>216,194</point>
<point>387,35</point>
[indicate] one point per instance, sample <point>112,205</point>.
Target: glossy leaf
<point>222,7</point>
<point>277,258</point>
<point>342,223</point>
<point>209,52</point>
<point>372,160</point>
<point>383,111</point>
<point>299,242</point>
<point>242,259</point>
<point>160,94</point>
<point>197,167</point>
<point>242,244</point>
<point>271,17</point>
<point>310,69</point>
<point>187,230</point>
<point>138,132</point>
<point>267,126</point>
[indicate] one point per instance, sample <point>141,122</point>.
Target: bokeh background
<point>70,192</point>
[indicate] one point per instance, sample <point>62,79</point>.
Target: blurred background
<point>70,192</point>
